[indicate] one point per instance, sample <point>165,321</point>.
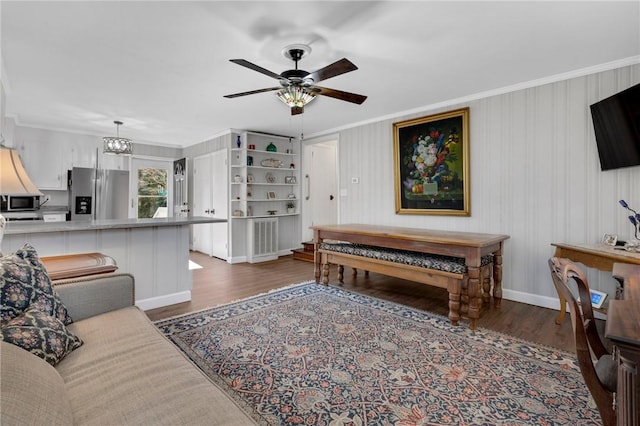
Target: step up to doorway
<point>305,253</point>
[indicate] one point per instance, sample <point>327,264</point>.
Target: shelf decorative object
<point>291,207</point>
<point>270,178</point>
<point>272,148</point>
<point>238,141</point>
<point>271,162</point>
<point>635,221</point>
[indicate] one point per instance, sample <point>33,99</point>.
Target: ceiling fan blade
<point>255,67</point>
<point>339,67</point>
<point>252,92</point>
<point>339,94</point>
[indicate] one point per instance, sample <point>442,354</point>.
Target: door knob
<point>330,197</point>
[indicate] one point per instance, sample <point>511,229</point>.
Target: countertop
<point>53,209</point>
<point>33,227</point>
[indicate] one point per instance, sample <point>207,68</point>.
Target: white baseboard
<point>542,301</point>
<point>531,299</point>
<point>166,300</point>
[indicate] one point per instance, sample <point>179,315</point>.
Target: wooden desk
<point>623,329</point>
<point>599,256</point>
<point>467,245</point>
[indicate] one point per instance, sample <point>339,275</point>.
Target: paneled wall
<point>535,175</point>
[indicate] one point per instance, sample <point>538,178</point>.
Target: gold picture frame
<point>431,164</point>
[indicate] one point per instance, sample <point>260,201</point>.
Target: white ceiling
<point>162,67</point>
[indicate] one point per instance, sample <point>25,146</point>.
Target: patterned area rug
<point>315,355</point>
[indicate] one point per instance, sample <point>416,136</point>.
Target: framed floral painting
<point>431,164</point>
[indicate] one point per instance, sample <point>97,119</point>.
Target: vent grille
<point>263,240</point>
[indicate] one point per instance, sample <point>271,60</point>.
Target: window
<point>152,192</point>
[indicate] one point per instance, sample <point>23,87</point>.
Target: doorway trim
<point>137,160</point>
<point>305,214</point>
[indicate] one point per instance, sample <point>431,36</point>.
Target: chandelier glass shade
<point>295,96</point>
<point>116,144</point>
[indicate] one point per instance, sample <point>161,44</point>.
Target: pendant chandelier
<point>117,145</point>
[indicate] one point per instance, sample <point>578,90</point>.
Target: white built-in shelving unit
<point>264,185</point>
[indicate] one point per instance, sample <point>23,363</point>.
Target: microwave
<point>19,203</point>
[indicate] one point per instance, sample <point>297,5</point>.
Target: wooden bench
<point>439,271</point>
<point>470,246</point>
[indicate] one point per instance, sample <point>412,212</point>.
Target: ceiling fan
<point>297,87</point>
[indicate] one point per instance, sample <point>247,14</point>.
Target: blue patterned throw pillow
<point>24,283</point>
<point>41,334</point>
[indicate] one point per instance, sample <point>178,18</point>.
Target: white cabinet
<point>46,163</point>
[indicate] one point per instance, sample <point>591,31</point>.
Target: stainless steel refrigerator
<point>98,194</point>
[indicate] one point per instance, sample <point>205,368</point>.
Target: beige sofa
<point>126,372</point>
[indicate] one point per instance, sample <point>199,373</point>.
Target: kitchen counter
<point>154,251</point>
<point>32,227</point>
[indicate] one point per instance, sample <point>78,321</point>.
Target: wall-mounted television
<point>616,122</point>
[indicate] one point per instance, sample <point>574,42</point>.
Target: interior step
<point>305,253</point>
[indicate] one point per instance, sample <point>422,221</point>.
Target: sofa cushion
<point>24,283</point>
<point>41,334</point>
<point>32,391</point>
<point>127,372</point>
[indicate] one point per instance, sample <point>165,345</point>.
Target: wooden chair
<point>597,365</point>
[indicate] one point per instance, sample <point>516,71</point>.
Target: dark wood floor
<point>219,282</point>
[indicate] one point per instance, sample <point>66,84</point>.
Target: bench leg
<point>325,273</point>
<point>497,280</point>
<point>475,299</point>
<point>464,296</point>
<point>341,273</point>
<point>454,302</point>
<point>486,283</point>
<point>354,273</point>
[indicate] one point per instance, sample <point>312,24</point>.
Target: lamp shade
<point>117,145</point>
<point>295,96</point>
<point>13,177</point>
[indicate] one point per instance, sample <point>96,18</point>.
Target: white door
<point>320,186</point>
<point>201,234</point>
<point>219,204</point>
<point>180,198</point>
<point>210,199</point>
<point>151,188</point>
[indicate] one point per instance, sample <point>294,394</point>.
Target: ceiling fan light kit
<point>297,87</point>
<point>296,97</point>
